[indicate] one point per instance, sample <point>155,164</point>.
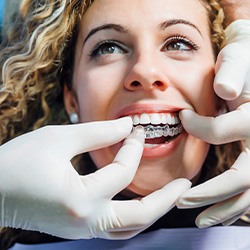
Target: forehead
<point>149,13</point>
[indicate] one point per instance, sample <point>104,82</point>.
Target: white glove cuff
<point>237,31</point>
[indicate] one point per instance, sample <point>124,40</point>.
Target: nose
<point>146,72</point>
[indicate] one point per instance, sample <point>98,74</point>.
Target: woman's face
<point>148,60</point>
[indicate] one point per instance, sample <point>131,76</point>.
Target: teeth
<point>155,119</point>
<point>145,119</point>
<point>164,119</point>
<point>146,145</point>
<point>136,120</point>
<point>152,132</point>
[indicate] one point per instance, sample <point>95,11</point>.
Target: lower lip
<point>162,150</point>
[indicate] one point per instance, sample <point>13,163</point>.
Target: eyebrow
<point>121,29</point>
<point>172,22</point>
<point>109,26</point>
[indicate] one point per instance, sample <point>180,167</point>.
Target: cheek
<point>95,91</point>
<point>199,90</point>
<point>194,155</point>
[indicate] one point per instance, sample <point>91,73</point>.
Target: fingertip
<point>125,123</point>
<point>200,226</point>
<point>225,91</point>
<point>185,113</point>
<point>137,134</point>
<point>202,223</point>
<point>178,186</point>
<point>182,182</point>
<point>190,199</point>
<point>183,203</point>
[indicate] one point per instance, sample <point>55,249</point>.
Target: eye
<point>179,43</point>
<point>107,48</point>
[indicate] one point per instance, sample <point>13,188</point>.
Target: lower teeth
<point>146,145</point>
<point>152,132</point>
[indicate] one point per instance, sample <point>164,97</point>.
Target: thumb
<point>195,124</point>
<point>218,130</point>
<point>79,138</point>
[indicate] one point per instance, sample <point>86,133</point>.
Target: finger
<point>244,96</point>
<point>118,235</point>
<point>124,234</point>
<point>221,187</point>
<point>246,216</point>
<point>230,221</point>
<point>214,220</point>
<point>140,214</point>
<point>79,138</point>
<point>115,177</point>
<point>222,129</point>
<point>229,210</point>
<point>230,78</point>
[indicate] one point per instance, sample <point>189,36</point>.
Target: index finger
<point>114,177</point>
<point>139,214</point>
<point>219,188</point>
<point>231,68</point>
<point>79,138</point>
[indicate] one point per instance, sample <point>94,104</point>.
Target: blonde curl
<point>31,64</point>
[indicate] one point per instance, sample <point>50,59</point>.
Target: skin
<point>147,71</point>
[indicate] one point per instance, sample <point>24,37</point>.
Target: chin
<point>154,175</point>
<point>160,165</point>
<point>143,186</point>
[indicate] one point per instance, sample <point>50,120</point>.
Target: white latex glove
<point>230,190</point>
<point>233,63</point>
<point>40,190</point>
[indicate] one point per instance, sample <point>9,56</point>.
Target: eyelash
<point>182,39</point>
<point>94,52</point>
<point>178,38</point>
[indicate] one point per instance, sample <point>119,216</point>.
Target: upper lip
<point>146,108</point>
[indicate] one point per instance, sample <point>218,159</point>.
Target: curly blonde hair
<point>32,64</point>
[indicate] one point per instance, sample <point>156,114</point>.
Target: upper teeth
<point>155,119</point>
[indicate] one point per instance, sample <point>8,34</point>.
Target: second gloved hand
<point>229,191</point>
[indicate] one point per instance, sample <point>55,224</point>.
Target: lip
<point>146,108</point>
<point>163,150</point>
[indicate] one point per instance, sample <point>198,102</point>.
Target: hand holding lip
<point>230,190</point>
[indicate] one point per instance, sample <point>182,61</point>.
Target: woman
<point>144,87</point>
<point>143,54</point>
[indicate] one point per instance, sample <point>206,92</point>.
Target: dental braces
<point>152,132</point>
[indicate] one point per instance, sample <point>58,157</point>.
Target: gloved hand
<point>233,64</point>
<point>230,190</point>
<point>40,190</point>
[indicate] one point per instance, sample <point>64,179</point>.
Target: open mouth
<point>159,128</point>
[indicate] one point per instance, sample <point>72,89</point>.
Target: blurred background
<point>7,8</point>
